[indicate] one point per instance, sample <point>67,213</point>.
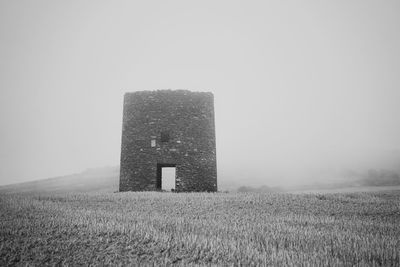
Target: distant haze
<point>302,88</point>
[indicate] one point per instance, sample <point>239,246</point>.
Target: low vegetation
<point>200,229</point>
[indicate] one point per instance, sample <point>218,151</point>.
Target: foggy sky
<point>299,85</point>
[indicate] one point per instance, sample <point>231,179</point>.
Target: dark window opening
<point>164,136</point>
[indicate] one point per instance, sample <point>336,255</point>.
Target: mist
<point>303,91</point>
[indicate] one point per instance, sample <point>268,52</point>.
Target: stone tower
<point>168,128</point>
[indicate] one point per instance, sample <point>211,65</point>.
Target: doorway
<point>166,177</point>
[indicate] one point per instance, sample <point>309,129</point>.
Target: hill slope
<point>104,179</point>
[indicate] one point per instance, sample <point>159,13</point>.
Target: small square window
<point>164,136</point>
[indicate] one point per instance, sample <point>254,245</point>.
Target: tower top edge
<point>169,91</point>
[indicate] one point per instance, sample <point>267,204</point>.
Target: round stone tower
<point>168,128</point>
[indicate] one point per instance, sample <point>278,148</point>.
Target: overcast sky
<point>298,85</point>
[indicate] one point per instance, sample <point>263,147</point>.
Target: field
<point>152,228</point>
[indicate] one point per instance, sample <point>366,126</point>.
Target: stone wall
<point>186,121</point>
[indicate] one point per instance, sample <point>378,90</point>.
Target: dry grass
<point>200,229</point>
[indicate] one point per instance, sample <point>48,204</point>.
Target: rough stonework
<point>168,128</point>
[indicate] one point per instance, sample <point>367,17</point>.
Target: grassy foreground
<point>200,229</point>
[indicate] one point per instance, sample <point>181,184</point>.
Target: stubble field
<point>151,228</point>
